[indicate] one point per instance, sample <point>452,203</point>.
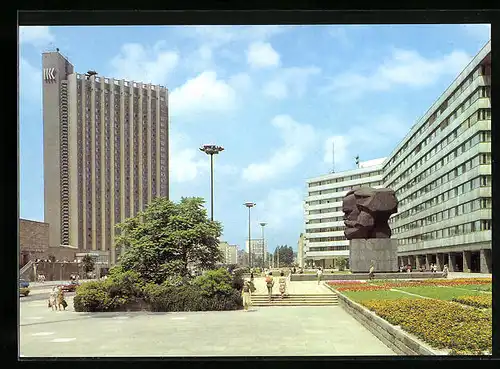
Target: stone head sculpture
<point>367,211</point>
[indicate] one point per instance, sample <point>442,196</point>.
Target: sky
<point>275,97</point>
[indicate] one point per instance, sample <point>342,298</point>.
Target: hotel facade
<point>441,173</point>
<point>105,154</point>
<point>324,238</point>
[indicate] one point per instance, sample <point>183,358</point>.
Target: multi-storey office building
<point>441,173</point>
<point>105,153</point>
<point>258,248</point>
<point>229,253</point>
<point>324,220</point>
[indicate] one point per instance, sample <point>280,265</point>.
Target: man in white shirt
<point>319,273</point>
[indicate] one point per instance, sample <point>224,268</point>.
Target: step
<point>292,303</point>
<point>295,299</point>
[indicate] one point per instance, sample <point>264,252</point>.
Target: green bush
<point>214,282</point>
<point>24,291</point>
<point>94,296</point>
<point>238,282</point>
<point>125,284</point>
<point>188,298</point>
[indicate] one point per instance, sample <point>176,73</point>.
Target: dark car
<point>23,283</point>
<point>69,286</point>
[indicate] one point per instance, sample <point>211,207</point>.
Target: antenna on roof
<point>357,160</point>
<point>333,156</point>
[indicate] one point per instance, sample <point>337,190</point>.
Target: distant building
<point>229,252</point>
<point>242,258</point>
<point>259,249</point>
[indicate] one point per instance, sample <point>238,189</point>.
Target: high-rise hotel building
<point>441,173</point>
<point>324,238</point>
<point>105,153</point>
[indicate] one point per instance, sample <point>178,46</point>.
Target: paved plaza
<point>270,331</point>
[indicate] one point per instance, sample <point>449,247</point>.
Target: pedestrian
<point>282,284</point>
<point>371,273</point>
<point>445,271</point>
<point>247,294</point>
<point>251,276</point>
<point>270,284</point>
<point>53,299</point>
<point>60,299</point>
<point>319,273</point>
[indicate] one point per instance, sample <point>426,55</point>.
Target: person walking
<point>53,299</point>
<point>247,294</point>
<point>445,271</point>
<point>60,299</point>
<point>319,274</point>
<point>270,284</point>
<point>282,284</point>
<point>371,273</point>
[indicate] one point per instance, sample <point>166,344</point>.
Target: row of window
<point>342,189</point>
<point>329,248</point>
<point>329,229</point>
<point>477,226</point>
<point>468,207</point>
<point>482,181</point>
<point>481,114</point>
<point>329,239</point>
<point>345,179</point>
<point>479,71</point>
<point>324,211</point>
<point>447,177</point>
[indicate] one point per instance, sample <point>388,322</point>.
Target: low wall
<point>55,271</point>
<point>394,337</point>
<point>363,276</point>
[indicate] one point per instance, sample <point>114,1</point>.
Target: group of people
<point>249,287</point>
<point>432,268</point>
<point>56,299</point>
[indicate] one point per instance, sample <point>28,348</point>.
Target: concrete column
<point>439,261</point>
<point>485,261</point>
<point>428,261</point>
<point>467,261</point>
<point>417,262</point>
<point>411,261</point>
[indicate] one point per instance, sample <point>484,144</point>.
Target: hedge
<point>441,324</point>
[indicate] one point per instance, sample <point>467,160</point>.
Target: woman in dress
<point>247,294</point>
<point>282,284</point>
<point>53,298</point>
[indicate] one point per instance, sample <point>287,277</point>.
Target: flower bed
<point>482,302</point>
<point>385,285</point>
<point>441,324</point>
<point>357,288</point>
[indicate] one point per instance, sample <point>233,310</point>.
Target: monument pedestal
<point>382,251</point>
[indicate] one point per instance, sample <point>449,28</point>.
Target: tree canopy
<point>168,238</point>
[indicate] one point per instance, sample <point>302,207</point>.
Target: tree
<point>168,238</point>
<point>284,254</point>
<point>88,263</point>
<point>340,262</point>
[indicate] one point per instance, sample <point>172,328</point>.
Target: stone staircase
<point>295,300</point>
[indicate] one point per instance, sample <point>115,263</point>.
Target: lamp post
<point>249,205</point>
<point>263,224</point>
<point>211,150</point>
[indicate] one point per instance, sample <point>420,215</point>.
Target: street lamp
<point>263,224</point>
<point>211,150</point>
<point>249,205</point>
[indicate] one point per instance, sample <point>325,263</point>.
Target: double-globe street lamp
<point>263,224</point>
<point>249,205</point>
<point>211,150</point>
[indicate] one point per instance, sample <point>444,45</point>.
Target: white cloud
<point>240,81</point>
<point>204,93</point>
<point>38,36</point>
<point>139,64</point>
<point>481,31</point>
<point>185,162</point>
<point>30,82</point>
<point>403,68</point>
<point>290,81</point>
<point>281,206</point>
<point>262,55</point>
<point>297,140</point>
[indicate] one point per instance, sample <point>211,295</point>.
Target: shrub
<point>482,302</point>
<point>441,324</point>
<point>94,296</point>
<point>24,291</point>
<point>214,282</point>
<point>189,298</point>
<point>238,282</point>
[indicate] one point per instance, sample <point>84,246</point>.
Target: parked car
<point>23,283</point>
<point>69,286</point>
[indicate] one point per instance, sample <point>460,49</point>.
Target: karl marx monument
<point>366,215</point>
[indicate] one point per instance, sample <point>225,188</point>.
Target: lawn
<point>440,293</point>
<point>477,287</point>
